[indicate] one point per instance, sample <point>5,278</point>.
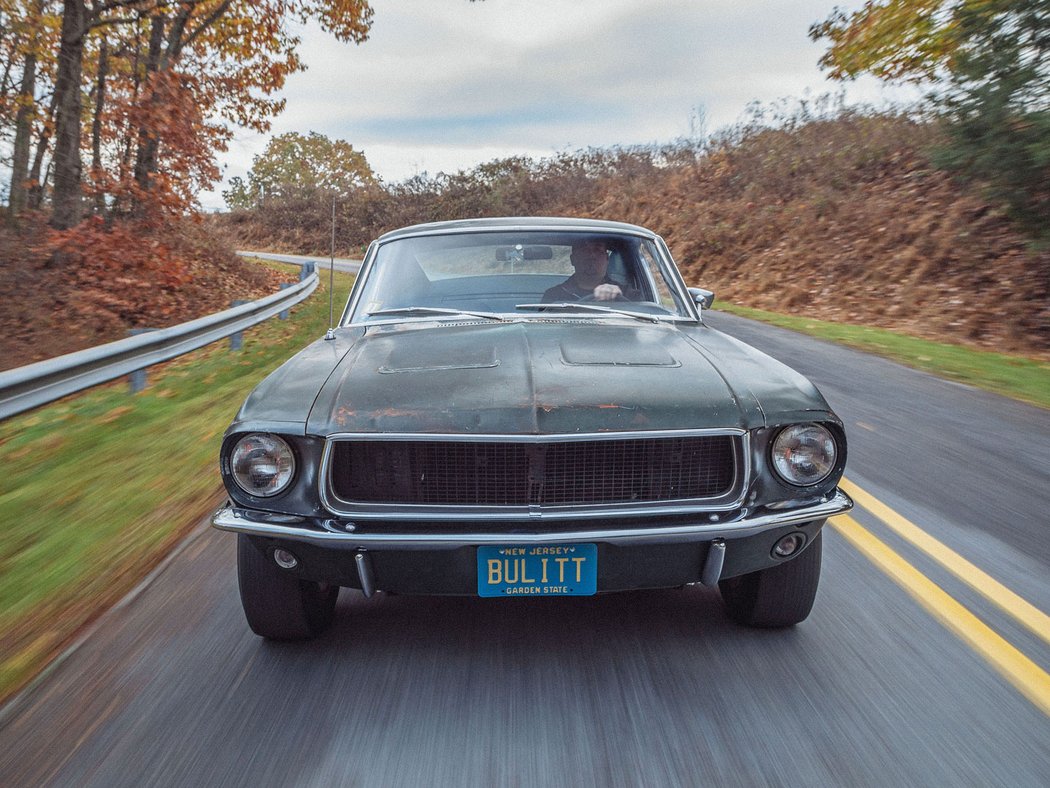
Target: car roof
<point>516,223</point>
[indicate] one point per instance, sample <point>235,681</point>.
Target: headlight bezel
<point>287,457</point>
<point>780,461</point>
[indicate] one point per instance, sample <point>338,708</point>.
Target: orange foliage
<point>169,112</point>
<point>132,250</point>
<point>136,274</point>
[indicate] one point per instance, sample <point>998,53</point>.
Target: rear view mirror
<point>702,298</point>
<point>539,253</point>
<point>517,253</point>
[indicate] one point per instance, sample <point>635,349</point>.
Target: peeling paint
<point>511,379</point>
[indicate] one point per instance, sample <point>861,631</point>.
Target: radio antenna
<point>330,334</point>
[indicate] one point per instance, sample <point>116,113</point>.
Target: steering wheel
<point>589,298</point>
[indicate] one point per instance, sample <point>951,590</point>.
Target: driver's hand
<point>607,292</point>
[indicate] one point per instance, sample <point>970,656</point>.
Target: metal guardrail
<point>28,387</point>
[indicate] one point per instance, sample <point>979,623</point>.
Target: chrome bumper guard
<point>335,535</point>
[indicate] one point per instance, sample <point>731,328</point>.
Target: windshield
<point>495,273</point>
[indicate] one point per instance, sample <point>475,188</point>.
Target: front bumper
<point>409,558</point>
<point>336,534</point>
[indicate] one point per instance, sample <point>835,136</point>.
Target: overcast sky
<point>443,85</point>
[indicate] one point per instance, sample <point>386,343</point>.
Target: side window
<point>655,275</point>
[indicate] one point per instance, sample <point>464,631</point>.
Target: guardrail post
<point>283,314</point>
<point>307,269</point>
<point>137,380</point>
<point>237,338</point>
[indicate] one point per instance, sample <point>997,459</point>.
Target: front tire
<point>780,596</point>
<point>277,604</point>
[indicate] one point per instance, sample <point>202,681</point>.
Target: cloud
<point>443,85</point>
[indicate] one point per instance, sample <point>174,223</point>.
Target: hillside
<point>106,289</point>
<point>843,219</point>
<point>847,221</point>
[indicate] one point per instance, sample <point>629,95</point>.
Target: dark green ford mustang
<point>528,407</point>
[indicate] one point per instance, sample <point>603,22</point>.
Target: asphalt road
<point>653,688</point>
<point>344,264</point>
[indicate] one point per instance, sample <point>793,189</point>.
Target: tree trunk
<point>148,143</point>
<point>65,209</point>
<point>23,132</point>
<point>27,111</point>
<point>96,127</point>
<point>36,187</point>
<point>127,143</point>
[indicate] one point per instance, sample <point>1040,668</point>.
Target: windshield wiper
<point>587,307</point>
<point>433,310</point>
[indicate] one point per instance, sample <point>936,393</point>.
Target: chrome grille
<point>555,473</point>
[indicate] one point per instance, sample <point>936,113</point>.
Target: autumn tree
<point>197,53</point>
<point>913,40</point>
<point>986,64</point>
<point>997,104</point>
<point>79,18</point>
<point>294,165</point>
<point>148,89</point>
<point>26,60</point>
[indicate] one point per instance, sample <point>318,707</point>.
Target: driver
<point>590,280</point>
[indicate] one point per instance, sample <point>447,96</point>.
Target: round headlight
<point>804,454</point>
<point>262,465</point>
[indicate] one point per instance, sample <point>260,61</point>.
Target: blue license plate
<point>538,570</point>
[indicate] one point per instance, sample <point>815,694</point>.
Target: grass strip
<point>99,487</point>
<point>1013,376</point>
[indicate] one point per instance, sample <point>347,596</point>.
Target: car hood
<point>540,376</point>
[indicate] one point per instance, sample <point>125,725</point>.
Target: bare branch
<point>208,21</point>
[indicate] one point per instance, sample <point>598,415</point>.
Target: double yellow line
<point>1031,680</point>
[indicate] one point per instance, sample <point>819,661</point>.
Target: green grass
<point>99,487</point>
<point>1013,376</point>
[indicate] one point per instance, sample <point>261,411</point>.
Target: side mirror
<point>703,298</point>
